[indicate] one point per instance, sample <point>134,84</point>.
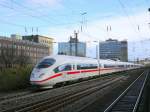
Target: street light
<point>97,49</point>
<point>54,42</point>
<point>98,54</point>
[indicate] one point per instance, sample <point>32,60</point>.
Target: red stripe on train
<point>71,72</point>
<point>54,76</point>
<point>84,71</point>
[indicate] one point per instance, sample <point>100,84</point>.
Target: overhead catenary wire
<point>12,24</point>
<point>5,6</point>
<point>137,25</point>
<point>33,16</point>
<point>25,27</point>
<point>127,15</point>
<point>40,14</point>
<point>44,15</point>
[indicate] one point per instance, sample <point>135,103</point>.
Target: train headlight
<point>41,75</point>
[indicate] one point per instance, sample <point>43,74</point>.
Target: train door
<point>74,73</point>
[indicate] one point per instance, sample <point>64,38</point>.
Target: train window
<point>109,66</point>
<point>86,66</point>
<point>62,68</point>
<point>46,63</point>
<point>92,66</point>
<point>120,65</point>
<point>56,70</point>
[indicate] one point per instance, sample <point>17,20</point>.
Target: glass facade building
<point>113,49</point>
<point>72,48</point>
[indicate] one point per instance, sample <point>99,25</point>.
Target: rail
<point>128,101</point>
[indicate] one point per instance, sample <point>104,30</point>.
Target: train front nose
<point>36,77</point>
<point>40,78</point>
<point>41,72</point>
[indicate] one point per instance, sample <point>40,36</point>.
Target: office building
<point>72,48</point>
<point>42,40</point>
<point>10,47</point>
<point>114,49</point>
<point>16,36</point>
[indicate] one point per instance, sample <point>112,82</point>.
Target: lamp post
<point>149,15</point>
<point>98,54</point>
<point>56,45</point>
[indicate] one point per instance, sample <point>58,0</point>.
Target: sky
<point>129,20</point>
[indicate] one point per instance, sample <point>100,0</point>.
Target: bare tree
<point>6,57</point>
<point>23,59</point>
<point>10,57</point>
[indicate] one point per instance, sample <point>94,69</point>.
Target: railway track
<point>128,101</point>
<point>14,95</point>
<point>29,92</point>
<point>57,102</point>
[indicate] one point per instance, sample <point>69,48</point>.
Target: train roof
<point>67,58</point>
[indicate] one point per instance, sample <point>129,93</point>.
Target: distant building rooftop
<point>37,36</point>
<point>112,39</point>
<point>20,41</point>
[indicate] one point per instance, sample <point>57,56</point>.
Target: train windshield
<point>46,63</point>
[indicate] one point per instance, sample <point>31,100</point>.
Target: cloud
<point>122,28</point>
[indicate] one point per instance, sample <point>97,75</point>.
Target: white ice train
<point>59,68</point>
